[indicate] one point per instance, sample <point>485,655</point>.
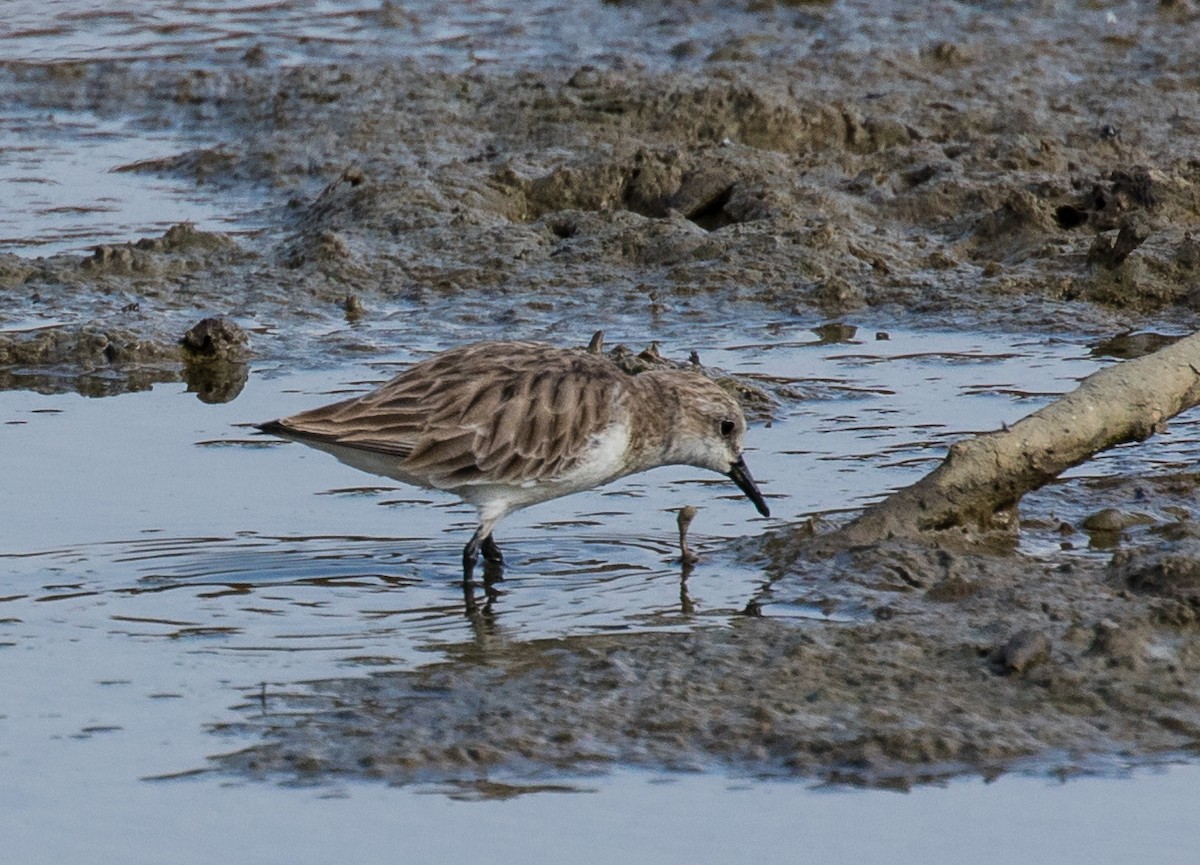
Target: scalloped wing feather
<point>484,413</point>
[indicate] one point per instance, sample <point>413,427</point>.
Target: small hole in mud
<point>564,230</point>
<point>1069,216</point>
<point>711,215</point>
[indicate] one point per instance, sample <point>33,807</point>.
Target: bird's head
<point>710,432</point>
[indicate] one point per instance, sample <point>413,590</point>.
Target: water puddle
<point>60,178</point>
<point>461,35</point>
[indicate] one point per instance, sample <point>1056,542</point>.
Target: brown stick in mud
<point>986,475</point>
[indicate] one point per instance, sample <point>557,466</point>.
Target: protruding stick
<point>686,514</point>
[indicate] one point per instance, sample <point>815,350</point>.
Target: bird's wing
<point>490,412</point>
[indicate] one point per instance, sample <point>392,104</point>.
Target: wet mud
<point>935,659</point>
<point>1021,168</point>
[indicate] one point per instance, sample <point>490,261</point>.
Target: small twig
<point>688,558</point>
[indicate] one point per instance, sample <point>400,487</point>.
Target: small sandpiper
<point>505,425</point>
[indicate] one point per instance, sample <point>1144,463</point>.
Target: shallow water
<point>163,567</point>
<point>64,193</point>
<point>499,34</point>
<point>675,819</point>
<point>176,505</point>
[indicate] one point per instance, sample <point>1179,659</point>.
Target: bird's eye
<point>727,428</point>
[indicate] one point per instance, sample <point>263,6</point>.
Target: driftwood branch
<point>985,476</point>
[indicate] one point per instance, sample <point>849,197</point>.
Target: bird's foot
<point>493,561</point>
<point>493,572</point>
<point>491,552</point>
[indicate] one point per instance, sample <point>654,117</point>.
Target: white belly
<point>604,460</point>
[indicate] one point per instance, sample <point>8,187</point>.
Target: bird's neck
<point>652,442</point>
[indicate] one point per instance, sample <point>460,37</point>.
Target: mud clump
<point>201,164</point>
<point>1169,572</point>
<point>216,339</point>
<point>93,358</point>
<point>1022,651</point>
<point>110,315</point>
<point>181,248</point>
<point>215,351</point>
<point>89,347</point>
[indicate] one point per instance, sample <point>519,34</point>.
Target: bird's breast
<point>605,458</point>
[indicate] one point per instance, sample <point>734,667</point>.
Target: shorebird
<point>505,425</point>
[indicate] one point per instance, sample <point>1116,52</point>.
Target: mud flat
<point>1025,169</point>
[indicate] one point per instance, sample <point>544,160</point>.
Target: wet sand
<point>1024,170</point>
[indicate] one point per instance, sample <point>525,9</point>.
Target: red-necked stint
<point>505,425</point>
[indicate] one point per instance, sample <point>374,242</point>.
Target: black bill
<point>740,475</point>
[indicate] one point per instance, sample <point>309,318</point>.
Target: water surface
<point>163,566</point>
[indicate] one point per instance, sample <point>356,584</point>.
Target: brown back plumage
<point>506,412</point>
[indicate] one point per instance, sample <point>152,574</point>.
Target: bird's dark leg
<point>491,552</point>
<point>471,554</point>
<point>482,542</point>
<point>493,565</point>
<point>493,562</point>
